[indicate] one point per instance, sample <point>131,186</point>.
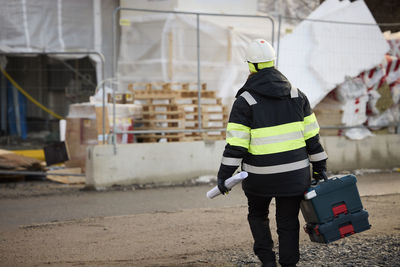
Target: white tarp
<point>45,25</point>
<point>318,56</point>
<point>163,47</point>
<point>52,26</point>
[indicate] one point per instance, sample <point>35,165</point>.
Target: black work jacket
<point>272,134</point>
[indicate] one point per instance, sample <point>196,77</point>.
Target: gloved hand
<point>221,186</point>
<point>319,175</point>
<point>319,170</point>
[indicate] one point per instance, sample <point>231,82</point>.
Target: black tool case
<point>332,210</point>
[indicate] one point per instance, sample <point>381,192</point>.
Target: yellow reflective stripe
<point>237,127</point>
<point>312,133</point>
<point>276,138</point>
<point>277,147</point>
<point>311,127</point>
<point>291,127</point>
<point>238,134</point>
<point>310,119</point>
<point>234,141</point>
<point>233,136</point>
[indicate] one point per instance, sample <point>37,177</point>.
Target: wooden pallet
<point>174,106</point>
<point>218,135</point>
<point>151,138</point>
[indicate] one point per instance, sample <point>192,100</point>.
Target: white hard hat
<point>259,51</point>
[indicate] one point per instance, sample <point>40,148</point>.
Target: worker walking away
<point>272,134</point>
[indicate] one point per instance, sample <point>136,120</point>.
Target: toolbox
<point>340,227</point>
<point>330,198</point>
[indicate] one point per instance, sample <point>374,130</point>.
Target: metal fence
<point>194,56</point>
<point>202,46</point>
<point>182,52</point>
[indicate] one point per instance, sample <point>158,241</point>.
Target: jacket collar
<point>268,82</point>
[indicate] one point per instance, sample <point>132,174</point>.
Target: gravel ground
<point>352,251</point>
<point>202,237</point>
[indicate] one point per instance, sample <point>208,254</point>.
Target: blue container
<point>330,198</point>
<point>340,227</point>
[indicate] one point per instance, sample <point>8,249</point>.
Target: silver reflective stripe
<point>238,134</point>
<point>293,92</point>
<point>319,156</point>
<point>276,138</point>
<point>231,161</point>
<point>250,100</point>
<point>277,168</point>
<point>310,127</point>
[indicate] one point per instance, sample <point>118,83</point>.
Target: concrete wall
<point>163,163</point>
<point>168,163</point>
<point>377,152</point>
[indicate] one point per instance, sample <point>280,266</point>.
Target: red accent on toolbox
<point>346,230</point>
<point>339,210</point>
<point>316,230</point>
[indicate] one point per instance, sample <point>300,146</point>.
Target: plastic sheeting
<point>318,56</point>
<point>372,97</point>
<point>50,26</point>
<point>163,47</point>
<point>46,25</point>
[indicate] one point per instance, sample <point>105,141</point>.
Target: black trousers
<point>287,212</point>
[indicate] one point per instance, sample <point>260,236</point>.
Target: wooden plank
<point>191,94</point>
<point>154,95</point>
<point>172,112</point>
<point>194,100</point>
<point>67,179</point>
<point>11,161</point>
<point>3,151</point>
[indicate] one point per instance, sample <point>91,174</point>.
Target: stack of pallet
<point>174,106</point>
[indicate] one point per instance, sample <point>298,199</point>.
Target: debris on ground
<point>11,161</point>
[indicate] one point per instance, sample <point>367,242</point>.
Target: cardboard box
<point>329,113</point>
<point>121,98</point>
<point>84,128</point>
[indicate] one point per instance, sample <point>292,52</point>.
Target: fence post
<point>198,72</point>
<point>279,40</point>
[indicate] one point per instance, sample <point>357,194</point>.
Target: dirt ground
<point>191,237</point>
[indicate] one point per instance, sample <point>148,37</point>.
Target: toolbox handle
<point>324,176</point>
